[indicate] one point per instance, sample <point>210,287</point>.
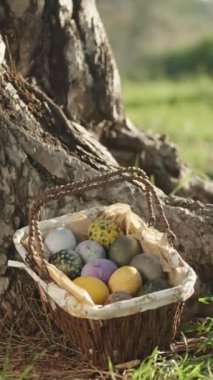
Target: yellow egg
<point>125,279</point>
<point>104,232</point>
<point>96,288</point>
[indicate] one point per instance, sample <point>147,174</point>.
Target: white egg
<point>60,238</point>
<point>90,250</point>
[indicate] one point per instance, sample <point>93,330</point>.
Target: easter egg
<point>125,279</point>
<point>104,232</point>
<point>99,268</point>
<point>153,286</point>
<point>123,249</point>
<point>149,266</point>
<point>68,261</point>
<point>90,250</point>
<point>116,297</point>
<point>96,288</point>
<point>60,238</point>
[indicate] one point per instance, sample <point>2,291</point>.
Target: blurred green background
<point>164,51</point>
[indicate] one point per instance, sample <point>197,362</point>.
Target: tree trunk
<point>62,46</point>
<point>43,144</point>
<point>35,155</point>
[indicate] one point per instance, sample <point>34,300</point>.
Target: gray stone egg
<point>149,266</point>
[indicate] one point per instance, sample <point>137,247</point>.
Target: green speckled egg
<point>104,232</point>
<point>68,261</point>
<point>153,286</point>
<point>123,249</point>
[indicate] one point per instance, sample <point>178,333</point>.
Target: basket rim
<point>62,298</point>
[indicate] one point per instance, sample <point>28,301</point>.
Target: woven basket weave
<point>122,331</point>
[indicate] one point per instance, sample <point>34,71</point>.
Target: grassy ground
<point>48,356</point>
<point>181,109</point>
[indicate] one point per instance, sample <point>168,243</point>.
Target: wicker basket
<point>122,331</point>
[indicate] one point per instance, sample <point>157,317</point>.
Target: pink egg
<point>99,268</point>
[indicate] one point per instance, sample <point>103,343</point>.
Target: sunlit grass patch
<point>195,365</point>
<point>181,109</point>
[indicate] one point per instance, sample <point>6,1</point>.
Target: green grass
<point>181,109</point>
<point>36,358</point>
<point>187,367</point>
<point>195,366</point>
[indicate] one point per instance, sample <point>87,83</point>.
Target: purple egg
<point>90,250</point>
<point>99,268</point>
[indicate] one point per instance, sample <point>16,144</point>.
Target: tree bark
<point>34,155</point>
<point>43,144</point>
<point>62,46</point>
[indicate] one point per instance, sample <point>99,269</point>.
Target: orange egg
<point>96,288</point>
<point>125,279</point>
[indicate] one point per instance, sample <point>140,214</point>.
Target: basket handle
<point>134,175</point>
